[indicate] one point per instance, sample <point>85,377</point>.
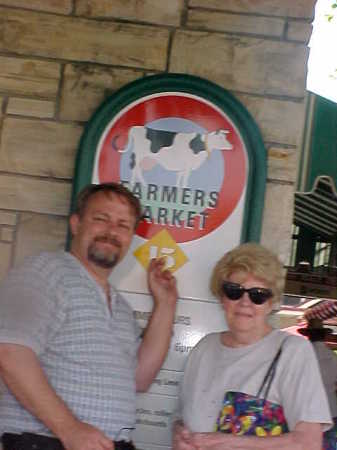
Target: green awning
<point>317,209</point>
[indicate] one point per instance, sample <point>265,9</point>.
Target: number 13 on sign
<point>161,245</point>
<point>157,252</point>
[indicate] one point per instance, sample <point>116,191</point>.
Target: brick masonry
<point>50,86</point>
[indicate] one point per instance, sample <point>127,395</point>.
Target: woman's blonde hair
<point>253,259</point>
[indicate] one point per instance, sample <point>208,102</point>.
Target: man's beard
<point>102,258</point>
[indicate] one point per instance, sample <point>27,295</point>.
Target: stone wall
<point>60,59</point>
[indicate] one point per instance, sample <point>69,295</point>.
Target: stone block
<point>6,234</point>
<point>7,218</point>
<point>78,39</point>
<point>85,87</point>
<point>235,23</point>
<point>277,219</point>
<point>299,31</point>
<point>29,76</point>
<point>284,8</point>
<point>53,6</point>
<point>280,121</point>
<point>37,233</point>
<point>282,163</point>
<point>37,147</point>
<point>19,193</point>
<point>150,11</point>
<point>5,259</point>
<point>44,109</point>
<point>240,63</point>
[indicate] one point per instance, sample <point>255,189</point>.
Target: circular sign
<point>182,156</point>
<point>186,147</point>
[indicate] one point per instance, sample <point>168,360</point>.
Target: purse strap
<point>268,378</point>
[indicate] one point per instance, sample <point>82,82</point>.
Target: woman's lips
<point>243,314</point>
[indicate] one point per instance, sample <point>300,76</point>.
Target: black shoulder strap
<point>266,383</point>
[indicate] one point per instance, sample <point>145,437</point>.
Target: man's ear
<point>74,221</point>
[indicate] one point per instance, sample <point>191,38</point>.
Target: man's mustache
<point>108,240</point>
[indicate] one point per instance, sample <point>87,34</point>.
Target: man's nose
<point>111,228</point>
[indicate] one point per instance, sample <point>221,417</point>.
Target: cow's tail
<point>122,150</point>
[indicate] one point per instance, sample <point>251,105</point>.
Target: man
<point>70,355</point>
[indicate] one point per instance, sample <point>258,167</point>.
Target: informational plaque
<point>194,319</point>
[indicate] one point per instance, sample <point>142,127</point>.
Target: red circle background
<point>159,106</point>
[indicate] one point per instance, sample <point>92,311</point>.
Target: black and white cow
<point>178,152</point>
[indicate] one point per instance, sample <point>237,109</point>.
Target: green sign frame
<point>221,98</point>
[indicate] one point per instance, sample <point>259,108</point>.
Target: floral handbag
<point>245,414</point>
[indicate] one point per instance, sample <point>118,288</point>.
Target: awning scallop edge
<point>317,209</point>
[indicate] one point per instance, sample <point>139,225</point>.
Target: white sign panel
<point>194,319</point>
<point>195,159</point>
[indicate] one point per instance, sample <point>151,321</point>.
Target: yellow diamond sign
<point>161,245</point>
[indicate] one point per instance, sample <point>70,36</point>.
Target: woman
<point>251,380</point>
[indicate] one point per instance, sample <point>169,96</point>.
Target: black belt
<point>32,441</point>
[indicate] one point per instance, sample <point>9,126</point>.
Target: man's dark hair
<point>107,188</point>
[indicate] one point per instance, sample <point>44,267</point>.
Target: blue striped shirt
<point>89,354</point>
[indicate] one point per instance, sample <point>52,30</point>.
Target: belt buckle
<point>124,445</point>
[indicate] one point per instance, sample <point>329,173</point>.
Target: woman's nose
<point>245,299</point>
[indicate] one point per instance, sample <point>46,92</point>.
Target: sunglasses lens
<point>232,291</point>
<point>260,295</point>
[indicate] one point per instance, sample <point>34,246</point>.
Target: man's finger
<point>107,443</point>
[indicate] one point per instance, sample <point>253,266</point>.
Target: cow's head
<point>217,140</point>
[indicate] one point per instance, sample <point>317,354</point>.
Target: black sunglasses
<point>234,291</point>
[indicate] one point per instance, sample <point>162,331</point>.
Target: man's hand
<point>162,284</point>
<point>82,436</point>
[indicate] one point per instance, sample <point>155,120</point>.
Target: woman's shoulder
<point>292,343</point>
<point>209,339</point>
<point>204,353</point>
<point>207,343</point>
